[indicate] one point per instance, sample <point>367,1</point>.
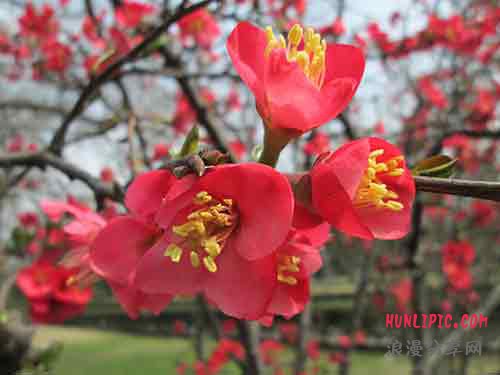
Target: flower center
<point>205,232</point>
<point>196,26</point>
<point>311,58</point>
<point>371,191</point>
<point>288,264</point>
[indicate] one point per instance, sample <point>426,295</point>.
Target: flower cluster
<point>458,256</point>
<point>51,295</point>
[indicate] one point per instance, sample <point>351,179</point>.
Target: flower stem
<point>274,142</point>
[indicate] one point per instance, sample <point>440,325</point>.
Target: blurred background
<point>431,86</point>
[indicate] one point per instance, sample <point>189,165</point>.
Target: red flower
<point>51,295</point>
<point>269,350</point>
<point>217,238</point>
<point>360,337</point>
<point>107,175</point>
<point>298,85</point>
<point>233,100</point>
<point>131,13</point>
<point>344,341</point>
<point>40,24</point>
<point>432,92</point>
<point>228,327</point>
<point>185,116</point>
<point>57,56</point>
<point>201,26</point>
<point>90,31</point>
<point>295,261</point>
<point>458,256</point>
<point>238,148</point>
<point>289,331</point>
<point>28,219</point>
<point>484,213</point>
<point>37,281</point>
<point>402,292</point>
<point>338,27</point>
<point>364,189</point>
<point>318,145</point>
<point>119,247</point>
<point>179,327</point>
<point>160,151</point>
<point>312,350</point>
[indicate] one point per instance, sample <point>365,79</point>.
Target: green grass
<point>94,352</point>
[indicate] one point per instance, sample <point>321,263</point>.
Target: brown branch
<point>249,335</point>
<point>58,140</point>
<point>43,159</point>
<point>465,188</point>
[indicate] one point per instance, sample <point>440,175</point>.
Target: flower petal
<point>260,193</point>
<point>117,248</point>
<point>158,274</point>
<point>241,288</point>
<point>147,191</point>
<point>246,45</point>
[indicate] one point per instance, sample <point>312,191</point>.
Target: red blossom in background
<point>161,150</point>
<point>131,13</point>
<point>402,291</point>
<point>58,56</point>
<point>40,24</point>
<point>432,92</point>
<point>364,189</point>
<point>458,256</point>
<point>319,144</point>
<point>201,27</point>
<point>295,90</point>
<point>50,293</point>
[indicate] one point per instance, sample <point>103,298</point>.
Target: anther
<point>173,252</point>
<point>210,264</point>
<point>195,259</point>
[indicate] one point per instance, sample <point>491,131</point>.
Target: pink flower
<point>297,86</point>
<point>118,248</point>
<point>364,189</point>
<point>217,238</point>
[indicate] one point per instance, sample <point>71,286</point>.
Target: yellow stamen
<point>173,252</point>
<point>371,191</point>
<point>312,59</point>
<point>290,280</point>
<point>205,231</point>
<point>289,264</point>
<point>195,259</point>
<point>211,246</point>
<point>202,198</point>
<point>210,264</point>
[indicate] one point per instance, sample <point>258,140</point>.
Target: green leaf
<point>191,143</point>
<point>435,166</point>
<point>156,44</point>
<point>3,317</point>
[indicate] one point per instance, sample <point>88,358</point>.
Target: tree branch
<point>465,188</point>
<point>43,159</point>
<point>58,140</point>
